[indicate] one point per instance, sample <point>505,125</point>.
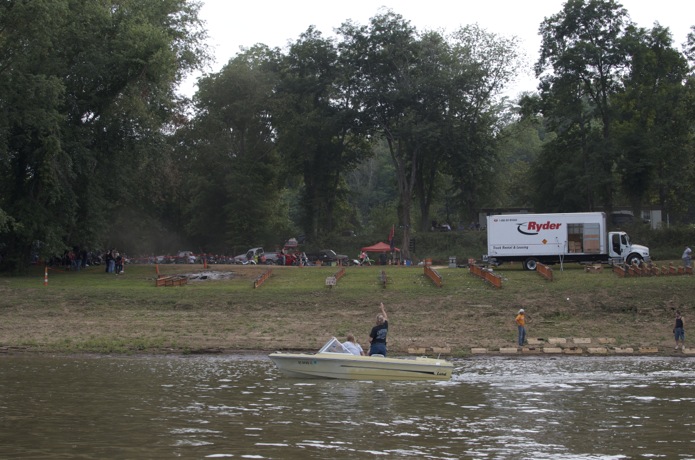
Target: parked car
<point>273,258</point>
<point>328,256</point>
<point>185,257</point>
<point>252,254</point>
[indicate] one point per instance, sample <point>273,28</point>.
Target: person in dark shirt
<point>679,331</point>
<point>377,338</point>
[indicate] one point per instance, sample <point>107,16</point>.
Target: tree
<point>654,126</point>
<point>385,85</point>
<point>521,142</point>
<point>319,131</point>
<point>482,63</point>
<point>230,155</point>
<point>582,63</point>
<point>80,116</point>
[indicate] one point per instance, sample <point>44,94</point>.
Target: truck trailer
<point>558,238</point>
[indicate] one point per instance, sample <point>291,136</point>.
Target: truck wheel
<point>632,258</point>
<point>530,264</point>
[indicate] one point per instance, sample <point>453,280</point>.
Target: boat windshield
<point>333,346</point>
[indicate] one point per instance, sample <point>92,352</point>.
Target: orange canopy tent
<point>379,247</point>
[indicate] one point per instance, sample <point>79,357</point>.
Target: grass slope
<point>92,311</point>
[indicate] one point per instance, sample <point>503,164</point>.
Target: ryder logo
<point>534,228</point>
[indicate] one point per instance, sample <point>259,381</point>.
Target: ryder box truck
<point>558,238</point>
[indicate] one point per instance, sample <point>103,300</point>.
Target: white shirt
<point>353,348</point>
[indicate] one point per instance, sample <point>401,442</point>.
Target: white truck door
<point>617,247</point>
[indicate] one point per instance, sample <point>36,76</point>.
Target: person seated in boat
<point>377,338</point>
<point>352,346</point>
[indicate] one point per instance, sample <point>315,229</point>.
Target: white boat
<point>334,362</point>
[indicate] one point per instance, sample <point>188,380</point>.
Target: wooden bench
<point>261,279</point>
<point>485,275</point>
<point>173,280</point>
<point>545,271</point>
<point>339,274</point>
<point>619,270</point>
<point>432,274</point>
<point>593,268</point>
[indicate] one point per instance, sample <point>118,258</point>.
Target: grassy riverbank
<point>91,311</point>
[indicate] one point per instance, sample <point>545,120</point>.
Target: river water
<point>241,407</point>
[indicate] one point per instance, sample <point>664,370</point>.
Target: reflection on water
<point>241,407</point>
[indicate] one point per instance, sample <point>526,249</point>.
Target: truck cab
<point>621,249</point>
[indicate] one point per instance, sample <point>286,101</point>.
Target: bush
<point>665,243</point>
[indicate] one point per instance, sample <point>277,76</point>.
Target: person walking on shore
<point>521,325</point>
<point>687,257</point>
<point>679,331</point>
<point>377,338</point>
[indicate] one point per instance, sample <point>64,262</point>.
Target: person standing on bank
<point>687,257</point>
<point>521,324</point>
<point>679,331</point>
<point>377,338</point>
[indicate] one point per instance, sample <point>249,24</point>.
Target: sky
<point>234,24</point>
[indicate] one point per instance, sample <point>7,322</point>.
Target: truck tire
<point>632,258</point>
<point>530,264</point>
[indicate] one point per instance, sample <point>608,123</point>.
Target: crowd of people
<point>75,259</point>
<point>114,261</point>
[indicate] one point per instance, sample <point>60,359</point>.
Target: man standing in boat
<point>377,338</point>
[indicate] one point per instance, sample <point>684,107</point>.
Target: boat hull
<point>339,366</point>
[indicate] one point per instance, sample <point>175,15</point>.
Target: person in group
<point>377,337</point>
<point>363,257</point>
<point>679,331</point>
<point>352,346</point>
<point>119,261</point>
<point>687,259</point>
<point>521,324</point>
<point>110,261</point>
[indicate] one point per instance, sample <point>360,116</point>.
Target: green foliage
<point>582,59</point>
<point>229,164</point>
<point>655,129</point>
<point>384,125</point>
<point>80,116</point>
<point>666,243</point>
<point>318,130</point>
<point>440,246</point>
<point>615,97</point>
